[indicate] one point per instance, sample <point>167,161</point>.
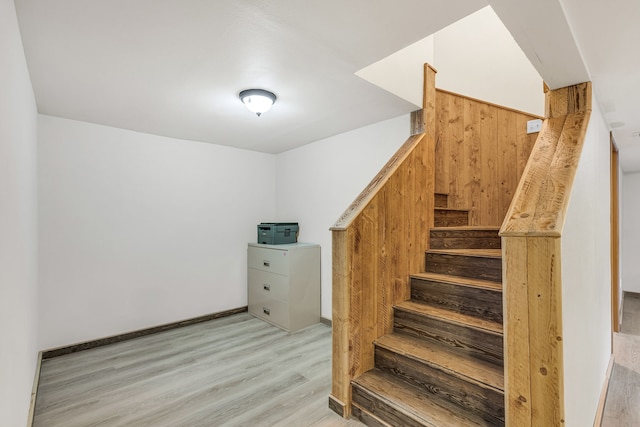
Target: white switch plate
<point>534,126</point>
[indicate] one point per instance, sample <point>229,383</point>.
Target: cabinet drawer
<point>268,285</point>
<point>272,310</point>
<point>266,259</point>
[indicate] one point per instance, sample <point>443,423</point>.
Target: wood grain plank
<point>489,206</point>
<point>444,386</point>
<point>518,220</point>
<point>382,394</point>
<point>507,165</point>
<point>429,100</point>
<point>516,333</point>
<point>556,189</point>
<point>340,317</point>
<point>443,142</point>
<point>454,137</point>
<point>544,285</point>
<point>472,173</point>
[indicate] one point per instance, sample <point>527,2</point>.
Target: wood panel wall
<point>377,243</point>
<point>531,262</point>
<point>481,153</point>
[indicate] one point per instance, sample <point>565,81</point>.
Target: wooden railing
<point>377,243</point>
<point>531,250</point>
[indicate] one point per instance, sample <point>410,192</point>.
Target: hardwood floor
<point>235,371</point>
<point>622,405</point>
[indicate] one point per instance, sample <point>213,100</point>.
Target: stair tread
<point>467,227</point>
<point>450,316</point>
<point>460,280</point>
<point>451,209</point>
<point>486,253</point>
<point>444,358</point>
<point>410,401</point>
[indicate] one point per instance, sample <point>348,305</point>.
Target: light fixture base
<point>257,100</point>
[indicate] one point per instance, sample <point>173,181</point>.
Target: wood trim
<point>325,321</point>
<point>542,197</point>
<point>361,202</point>
<point>531,241</point>
<point>597,422</point>
<point>429,101</point>
<point>60,351</point>
<point>416,125</point>
<point>491,104</point>
<point>337,406</point>
<point>34,391</point>
<point>615,240</point>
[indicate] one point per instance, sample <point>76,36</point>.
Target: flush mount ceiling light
<point>257,100</point>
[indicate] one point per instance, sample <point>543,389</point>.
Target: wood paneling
<point>481,153</point>
<point>377,243</point>
<point>531,242</point>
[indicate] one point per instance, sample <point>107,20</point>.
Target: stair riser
<point>366,418</point>
<point>441,200</point>
<point>482,303</point>
<point>481,344</point>
<point>475,267</point>
<point>379,409</point>
<point>448,389</point>
<point>445,218</point>
<point>464,239</point>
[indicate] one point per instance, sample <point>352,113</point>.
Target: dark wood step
<point>478,338</point>
<point>444,217</point>
<point>479,298</point>
<point>448,376</point>
<point>386,397</point>
<point>466,237</point>
<point>484,264</point>
<point>441,200</point>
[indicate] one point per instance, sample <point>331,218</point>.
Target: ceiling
<point>174,68</point>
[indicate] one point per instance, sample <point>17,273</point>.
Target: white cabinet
<point>284,284</point>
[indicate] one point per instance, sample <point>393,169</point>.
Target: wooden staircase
<point>442,365</point>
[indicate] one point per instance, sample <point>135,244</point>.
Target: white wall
<point>402,72</point>
<point>317,182</point>
<point>18,222</point>
<point>630,232</point>
<point>586,278</point>
<point>476,57</point>
<point>138,230</point>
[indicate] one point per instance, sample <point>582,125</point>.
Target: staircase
<point>442,365</point>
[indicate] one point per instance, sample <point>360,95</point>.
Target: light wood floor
<point>622,405</point>
<point>235,371</point>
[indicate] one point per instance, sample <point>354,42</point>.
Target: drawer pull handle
<point>266,287</point>
<point>266,263</point>
<point>266,311</point>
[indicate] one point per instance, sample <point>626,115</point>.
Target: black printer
<point>277,233</point>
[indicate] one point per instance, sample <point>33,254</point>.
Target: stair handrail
<point>376,244</point>
<point>531,259</point>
